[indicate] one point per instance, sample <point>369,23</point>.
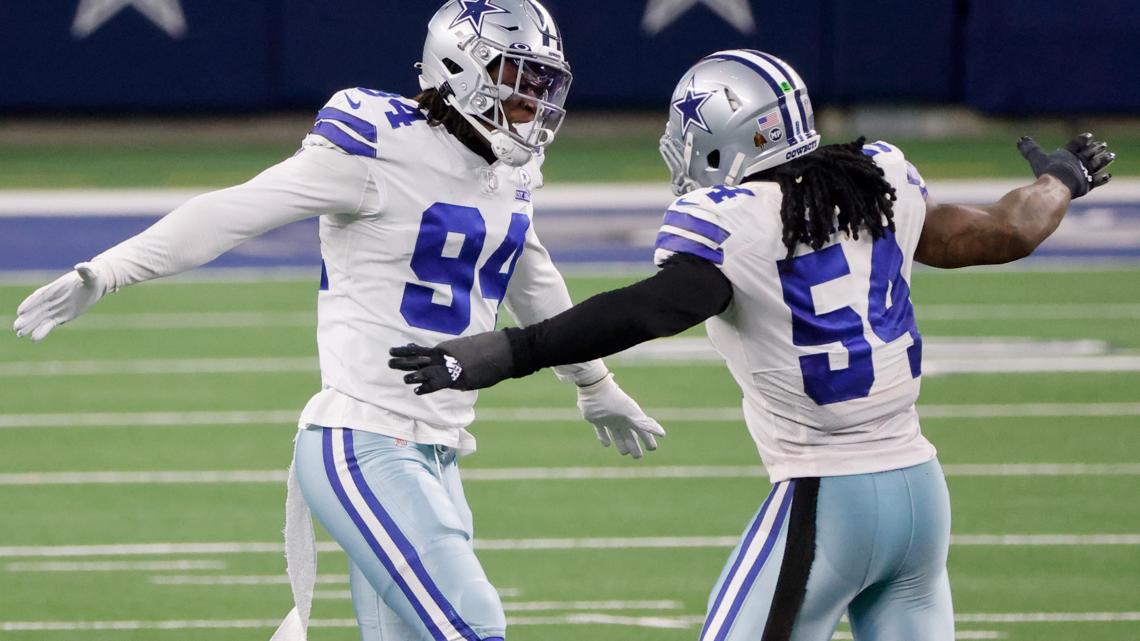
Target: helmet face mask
<point>499,63</point>
<point>733,114</point>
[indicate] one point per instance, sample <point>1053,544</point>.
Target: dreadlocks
<point>837,188</point>
<point>438,112</point>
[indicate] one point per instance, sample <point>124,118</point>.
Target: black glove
<point>468,363</point>
<point>1080,164</point>
<point>428,365</point>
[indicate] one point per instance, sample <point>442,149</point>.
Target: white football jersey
<point>419,237</point>
<point>431,263</point>
<point>824,346</point>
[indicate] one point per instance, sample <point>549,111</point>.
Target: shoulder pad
<point>352,120</point>
<point>888,156</point>
<point>692,226</point>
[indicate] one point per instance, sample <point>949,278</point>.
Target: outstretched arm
<point>537,292</point>
<point>1014,226</point>
<point>314,182</point>
<point>686,291</point>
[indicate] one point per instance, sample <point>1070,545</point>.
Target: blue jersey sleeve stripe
<point>366,129</point>
<point>696,225</point>
<point>682,245</point>
<point>338,137</point>
<point>914,178</point>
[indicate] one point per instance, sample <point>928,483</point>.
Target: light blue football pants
<point>871,545</point>
<point>398,510</point>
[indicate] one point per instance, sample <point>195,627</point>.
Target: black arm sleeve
<point>686,291</point>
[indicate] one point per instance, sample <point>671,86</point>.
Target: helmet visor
<point>532,93</point>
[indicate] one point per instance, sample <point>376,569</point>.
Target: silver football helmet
<point>484,54</point>
<point>735,113</point>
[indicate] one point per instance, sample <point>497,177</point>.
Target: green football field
<point>621,158</point>
<point>145,447</point>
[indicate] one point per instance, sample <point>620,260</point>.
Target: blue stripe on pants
<point>405,548</point>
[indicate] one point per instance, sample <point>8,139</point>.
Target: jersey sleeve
<point>313,182</point>
<point>688,228</point>
<point>898,169</point>
<point>910,191</point>
<point>353,120</point>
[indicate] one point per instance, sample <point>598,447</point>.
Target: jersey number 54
<point>888,320</point>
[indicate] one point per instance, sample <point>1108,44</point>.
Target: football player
<point>800,256</point>
<point>425,228</point>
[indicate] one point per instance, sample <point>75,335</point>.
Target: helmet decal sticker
<point>689,106</point>
<point>473,13</point>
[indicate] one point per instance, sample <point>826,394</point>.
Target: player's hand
<point>617,418</point>
<point>674,157</point>
<point>59,301</point>
<point>467,363</point>
<point>1080,164</point>
<point>430,367</point>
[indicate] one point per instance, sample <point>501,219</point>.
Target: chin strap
<point>508,150</point>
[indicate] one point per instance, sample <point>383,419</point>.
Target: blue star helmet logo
<point>689,106</point>
<point>473,13</point>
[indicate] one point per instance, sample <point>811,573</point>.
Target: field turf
<point>219,163</point>
<point>1008,581</point>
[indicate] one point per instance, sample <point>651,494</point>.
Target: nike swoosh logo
<point>354,105</point>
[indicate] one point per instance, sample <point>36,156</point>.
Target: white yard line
<point>100,321</point>
<point>242,579</point>
<point>547,474</point>
<point>1028,311</point>
<point>931,366</point>
<point>154,202</point>
<point>272,579</point>
<point>163,366</point>
<point>537,415</point>
<point>941,356</point>
<point>601,543</point>
<point>149,419</point>
<point>116,566</point>
<point>542,606</point>
<point>676,622</point>
<point>1048,617</point>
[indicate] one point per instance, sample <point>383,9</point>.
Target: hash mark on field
<point>539,415</point>
<point>511,545</point>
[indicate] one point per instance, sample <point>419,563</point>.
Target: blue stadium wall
<point>1015,57</point>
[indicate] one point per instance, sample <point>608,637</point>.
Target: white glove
<point>59,301</point>
<point>618,418</point>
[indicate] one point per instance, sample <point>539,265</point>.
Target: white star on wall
<point>92,14</point>
<point>661,13</point>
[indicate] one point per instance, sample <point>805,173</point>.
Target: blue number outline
<point>799,274</point>
<point>459,272</point>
